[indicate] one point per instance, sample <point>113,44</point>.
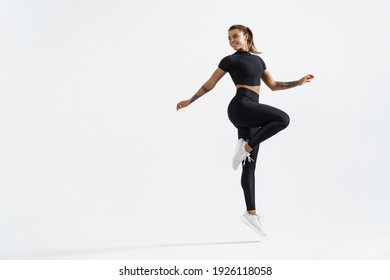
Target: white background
<point>96,163</point>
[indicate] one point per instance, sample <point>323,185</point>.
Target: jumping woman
<point>255,122</point>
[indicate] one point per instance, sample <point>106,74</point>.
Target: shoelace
<point>260,217</point>
<point>249,159</point>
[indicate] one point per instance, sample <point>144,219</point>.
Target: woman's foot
<point>253,221</point>
<point>241,153</point>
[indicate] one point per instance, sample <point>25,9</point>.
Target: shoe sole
<point>252,227</point>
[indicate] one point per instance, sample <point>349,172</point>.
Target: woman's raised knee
<point>285,120</point>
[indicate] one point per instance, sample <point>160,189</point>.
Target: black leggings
<point>255,122</point>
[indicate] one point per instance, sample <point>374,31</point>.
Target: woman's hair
<point>247,32</point>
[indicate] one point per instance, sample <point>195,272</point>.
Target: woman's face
<point>237,40</point>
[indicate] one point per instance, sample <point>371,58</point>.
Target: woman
<point>255,122</point>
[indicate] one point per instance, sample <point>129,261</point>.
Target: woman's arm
<point>207,86</point>
<point>275,85</point>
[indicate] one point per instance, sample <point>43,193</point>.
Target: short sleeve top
<point>244,68</point>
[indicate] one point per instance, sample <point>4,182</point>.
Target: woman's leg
<point>248,171</point>
<point>256,123</point>
<point>245,111</point>
<point>270,120</point>
<point>250,217</point>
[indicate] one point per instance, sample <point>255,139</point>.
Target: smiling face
<point>237,40</point>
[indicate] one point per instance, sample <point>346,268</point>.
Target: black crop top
<point>244,68</point>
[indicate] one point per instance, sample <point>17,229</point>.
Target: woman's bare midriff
<point>252,88</point>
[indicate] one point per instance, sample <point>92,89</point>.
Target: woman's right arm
<point>207,86</point>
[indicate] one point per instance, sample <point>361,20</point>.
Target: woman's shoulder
<point>227,58</point>
<point>257,56</point>
<point>226,63</point>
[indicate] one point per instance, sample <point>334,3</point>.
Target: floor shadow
<point>84,252</point>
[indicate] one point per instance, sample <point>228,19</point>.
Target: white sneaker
<point>240,154</point>
<point>253,221</point>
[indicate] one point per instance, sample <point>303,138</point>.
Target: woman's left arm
<point>275,85</point>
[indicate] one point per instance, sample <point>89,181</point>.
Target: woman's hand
<point>182,104</point>
<point>305,79</point>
